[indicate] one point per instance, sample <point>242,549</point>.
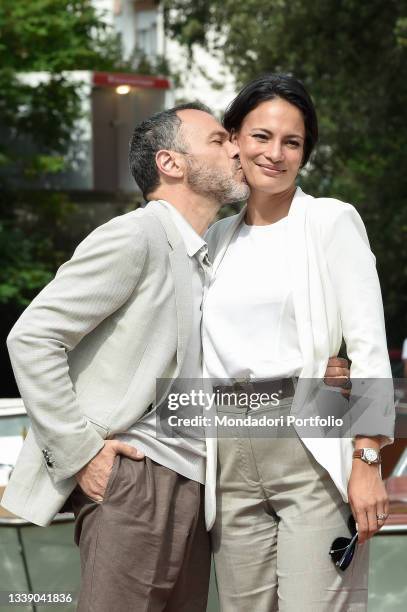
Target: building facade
<point>140,24</point>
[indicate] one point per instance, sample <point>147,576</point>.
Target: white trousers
<point>278,512</point>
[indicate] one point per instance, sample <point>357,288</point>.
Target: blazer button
<point>47,456</point>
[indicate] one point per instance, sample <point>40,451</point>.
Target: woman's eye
<point>293,143</point>
<point>260,136</point>
<point>218,142</point>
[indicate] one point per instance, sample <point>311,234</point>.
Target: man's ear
<point>168,163</point>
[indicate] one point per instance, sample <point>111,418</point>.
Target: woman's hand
<point>337,374</point>
<point>367,498</point>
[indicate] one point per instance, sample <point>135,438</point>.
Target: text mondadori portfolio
<point>226,420</point>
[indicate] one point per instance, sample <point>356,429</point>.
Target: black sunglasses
<point>343,549</point>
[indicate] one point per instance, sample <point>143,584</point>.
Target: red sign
<point>113,79</point>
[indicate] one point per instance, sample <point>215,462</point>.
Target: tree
<point>352,57</point>
<point>36,130</point>
<point>41,35</point>
<point>53,36</point>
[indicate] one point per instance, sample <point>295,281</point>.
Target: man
<point>122,313</point>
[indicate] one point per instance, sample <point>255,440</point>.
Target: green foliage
<point>351,56</point>
<point>37,125</point>
<point>55,35</point>
<point>22,274</point>
<point>31,226</point>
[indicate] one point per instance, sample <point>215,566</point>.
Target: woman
<point>293,275</point>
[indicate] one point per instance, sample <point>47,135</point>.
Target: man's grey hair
<point>160,131</point>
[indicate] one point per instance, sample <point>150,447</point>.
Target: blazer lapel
<point>182,276</point>
<point>299,275</point>
<point>181,271</point>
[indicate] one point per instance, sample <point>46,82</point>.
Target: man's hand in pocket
<point>93,477</point>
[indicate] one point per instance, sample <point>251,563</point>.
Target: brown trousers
<point>144,548</point>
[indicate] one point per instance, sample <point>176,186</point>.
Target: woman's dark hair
<point>267,87</point>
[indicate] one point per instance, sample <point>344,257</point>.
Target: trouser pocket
<point>82,504</point>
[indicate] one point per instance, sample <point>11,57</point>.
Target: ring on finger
<point>347,384</point>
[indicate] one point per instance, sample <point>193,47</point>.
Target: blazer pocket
<point>101,429</point>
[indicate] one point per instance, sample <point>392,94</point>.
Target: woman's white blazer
<point>336,295</point>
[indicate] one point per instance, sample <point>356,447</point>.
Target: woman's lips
<point>270,170</point>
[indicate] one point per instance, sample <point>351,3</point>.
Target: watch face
<point>370,454</point>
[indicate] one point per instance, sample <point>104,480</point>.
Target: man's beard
<point>215,183</point>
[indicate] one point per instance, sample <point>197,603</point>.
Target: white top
<point>404,350</point>
<point>249,328</point>
<point>184,455</point>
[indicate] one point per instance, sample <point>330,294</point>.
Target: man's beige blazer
<point>88,350</point>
